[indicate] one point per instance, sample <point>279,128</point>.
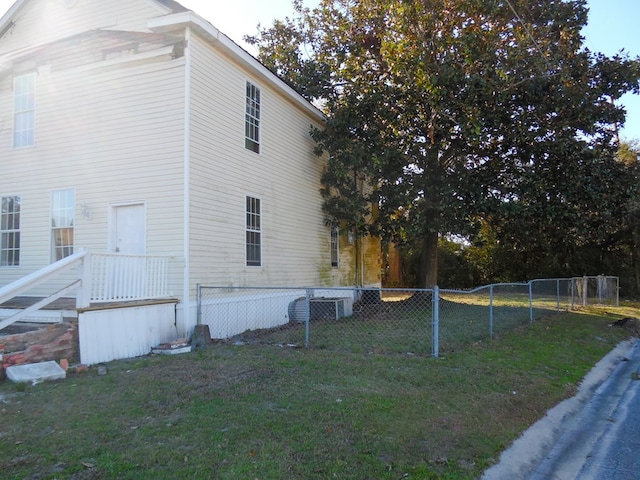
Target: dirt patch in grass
<point>630,324</point>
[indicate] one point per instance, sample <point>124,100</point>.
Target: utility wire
<point>528,32</point>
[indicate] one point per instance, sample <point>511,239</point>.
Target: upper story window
<point>253,232</point>
<point>10,232</point>
<point>24,110</point>
<point>63,211</point>
<point>334,246</point>
<point>252,119</point>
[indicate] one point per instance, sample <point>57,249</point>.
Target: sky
<point>612,27</point>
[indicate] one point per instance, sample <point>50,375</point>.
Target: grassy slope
<point>267,412</point>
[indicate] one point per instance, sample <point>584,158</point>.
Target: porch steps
<point>36,372</point>
<point>55,312</point>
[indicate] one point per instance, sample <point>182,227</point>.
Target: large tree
<point>629,232</point>
<point>441,112</point>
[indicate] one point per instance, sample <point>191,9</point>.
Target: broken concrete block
<point>36,372</point>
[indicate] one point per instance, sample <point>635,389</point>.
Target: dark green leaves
<point>442,113</point>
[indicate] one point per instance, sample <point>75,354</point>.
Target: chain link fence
<point>389,321</point>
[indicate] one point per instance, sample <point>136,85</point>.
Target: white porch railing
<point>100,278</point>
<point>117,277</point>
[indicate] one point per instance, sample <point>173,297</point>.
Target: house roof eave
<point>7,18</point>
<point>9,13</point>
<point>219,40</point>
<point>8,59</point>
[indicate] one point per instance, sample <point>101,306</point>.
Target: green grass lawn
<point>267,412</point>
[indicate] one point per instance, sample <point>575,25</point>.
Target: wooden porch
<point>119,304</point>
<point>20,302</point>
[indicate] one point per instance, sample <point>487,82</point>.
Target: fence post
<point>307,314</point>
<point>530,301</point>
<point>617,291</point>
<point>198,304</point>
<point>558,295</point>
<point>436,322</point>
<point>585,290</point>
<point>491,311</point>
<point>600,280</point>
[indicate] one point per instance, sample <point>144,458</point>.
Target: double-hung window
<point>252,119</point>
<point>253,232</point>
<point>63,208</point>
<point>333,244</point>
<point>24,110</point>
<point>10,232</point>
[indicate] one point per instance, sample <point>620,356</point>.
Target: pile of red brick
<point>53,342</point>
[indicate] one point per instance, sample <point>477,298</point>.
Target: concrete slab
<point>180,345</point>
<point>171,351</point>
<point>36,372</point>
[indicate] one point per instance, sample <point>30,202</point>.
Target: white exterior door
<point>129,229</point>
<point>126,274</point>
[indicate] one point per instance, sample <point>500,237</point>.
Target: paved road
<point>617,453</point>
<point>595,435</point>
<point>606,440</point>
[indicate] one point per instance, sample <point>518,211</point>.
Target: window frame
<point>24,111</point>
<point>62,208</point>
<point>10,237</point>
<point>253,231</point>
<point>252,117</point>
<point>334,246</point>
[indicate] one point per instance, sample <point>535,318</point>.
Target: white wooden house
<point>136,129</point>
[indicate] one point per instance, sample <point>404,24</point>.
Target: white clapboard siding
<point>52,21</point>
<point>115,131</point>
<point>285,176</point>
<point>115,136</point>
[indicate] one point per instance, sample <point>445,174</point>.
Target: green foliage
<point>444,118</point>
<point>629,153</point>
<point>627,240</point>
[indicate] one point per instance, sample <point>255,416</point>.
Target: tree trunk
<point>634,247</point>
<point>429,261</point>
<point>636,266</point>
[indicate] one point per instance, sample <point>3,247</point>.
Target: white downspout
<point>186,291</point>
